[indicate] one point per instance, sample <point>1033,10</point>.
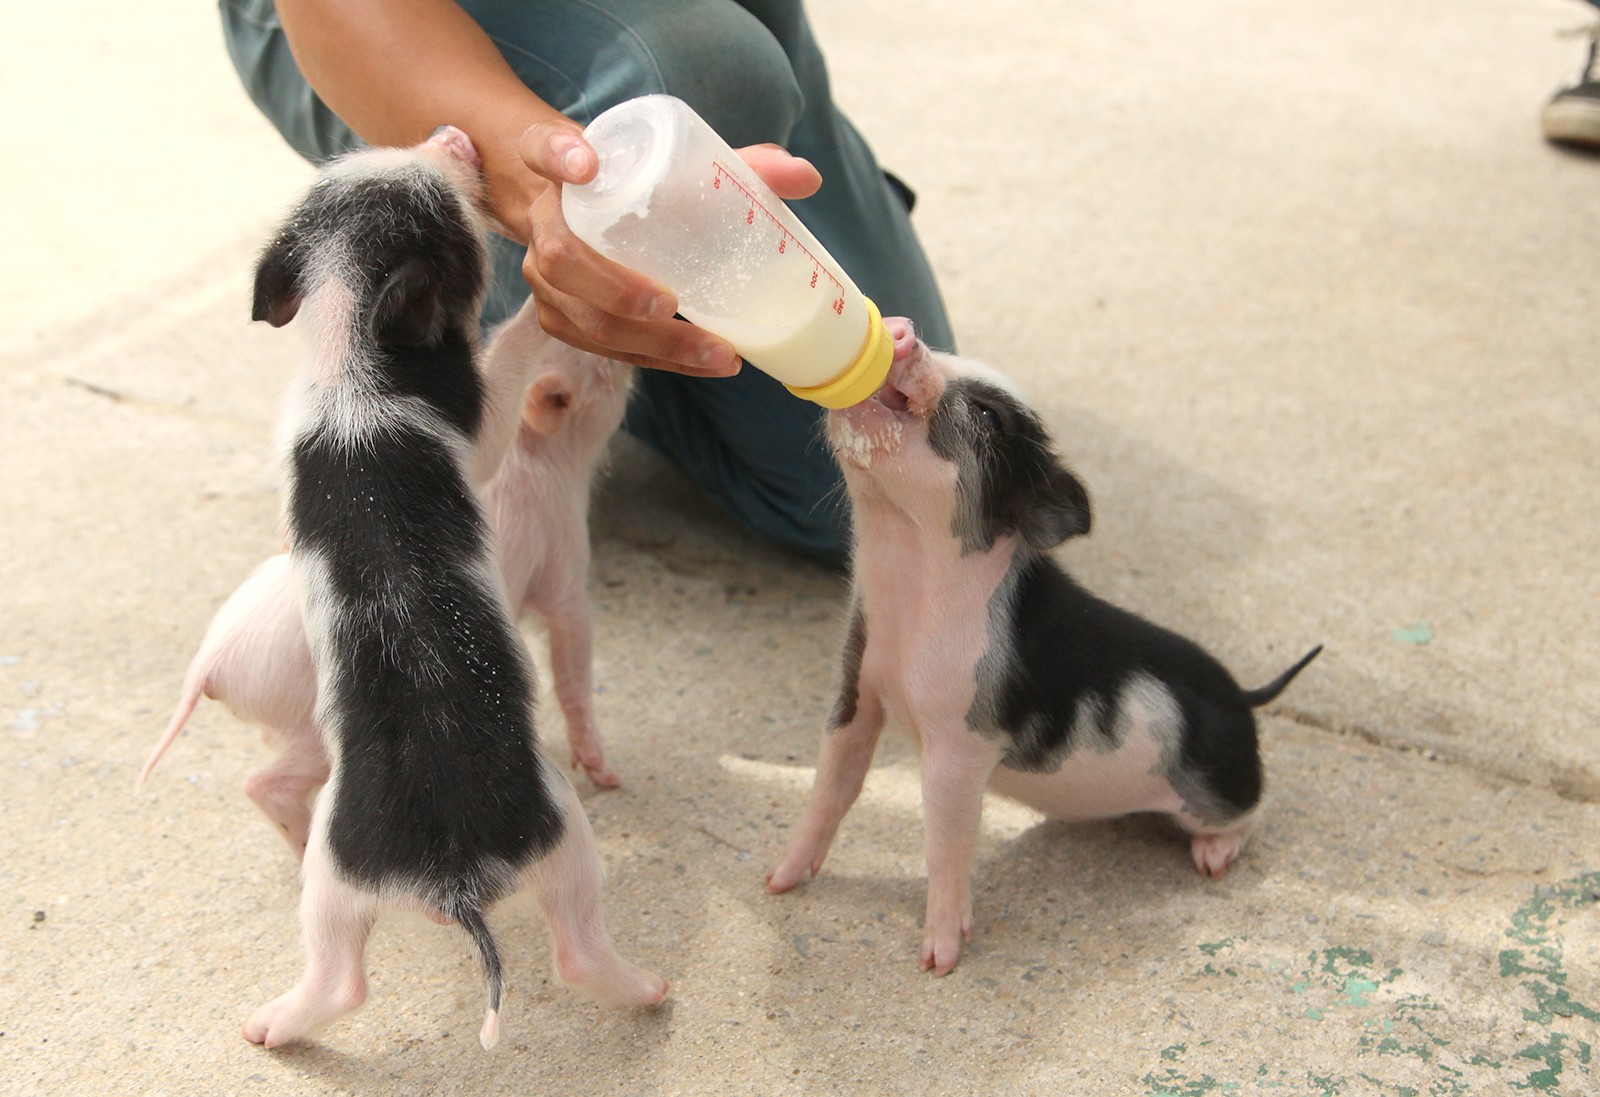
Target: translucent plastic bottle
<point>673,201</point>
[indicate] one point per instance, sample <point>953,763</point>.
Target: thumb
<point>556,150</point>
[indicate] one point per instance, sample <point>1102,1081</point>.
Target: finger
<point>556,150</point>
<point>651,338</point>
<point>673,345</point>
<point>567,265</point>
<point>789,176</point>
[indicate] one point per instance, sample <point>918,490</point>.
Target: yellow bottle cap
<point>862,377</point>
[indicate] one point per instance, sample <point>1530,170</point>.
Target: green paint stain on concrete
<point>1333,957</point>
<point>1345,989</point>
<point>1356,990</point>
<point>1419,633</point>
<point>1540,966</point>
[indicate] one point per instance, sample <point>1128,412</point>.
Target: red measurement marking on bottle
<point>722,172</point>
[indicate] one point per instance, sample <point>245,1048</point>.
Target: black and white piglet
<point>438,799</point>
<point>255,658</point>
<point>1011,676</point>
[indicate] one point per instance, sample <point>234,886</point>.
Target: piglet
<point>438,799</point>
<point>539,508</point>
<point>255,659</point>
<point>1010,675</point>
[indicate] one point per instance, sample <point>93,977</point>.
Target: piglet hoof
<point>294,1016</point>
<point>612,981</point>
<point>941,947</point>
<point>275,1023</point>
<point>1213,853</point>
<point>947,924</point>
<point>791,868</point>
<point>597,769</point>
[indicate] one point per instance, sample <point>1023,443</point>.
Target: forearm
<point>395,70</point>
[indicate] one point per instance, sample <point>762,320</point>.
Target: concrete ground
<point>1314,312</point>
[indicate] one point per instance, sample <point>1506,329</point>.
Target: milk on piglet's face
<point>882,443</point>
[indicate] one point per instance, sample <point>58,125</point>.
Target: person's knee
<point>582,58</point>
<point>725,64</point>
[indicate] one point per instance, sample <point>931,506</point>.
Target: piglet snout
<point>904,334</point>
<point>455,143</point>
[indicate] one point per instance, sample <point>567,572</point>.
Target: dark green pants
<point>752,70</point>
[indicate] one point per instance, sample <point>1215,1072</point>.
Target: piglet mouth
<point>881,424</point>
<point>893,397</point>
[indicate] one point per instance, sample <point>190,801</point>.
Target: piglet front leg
<point>558,592</point>
<point>956,766</point>
<point>513,350</point>
<point>852,737</point>
<point>571,628</point>
<point>846,756</point>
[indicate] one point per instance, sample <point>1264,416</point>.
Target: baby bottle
<point>673,201</point>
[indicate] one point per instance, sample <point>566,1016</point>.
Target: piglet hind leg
<point>336,920</point>
<point>841,771</point>
<point>1215,848</point>
<point>283,789</point>
<point>956,766</point>
<point>567,883</point>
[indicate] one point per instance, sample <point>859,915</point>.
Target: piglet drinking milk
<point>255,659</point>
<point>437,798</point>
<point>1010,675</point>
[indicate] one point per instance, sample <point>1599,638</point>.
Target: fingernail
<point>661,306</point>
<point>574,160</point>
<point>718,358</point>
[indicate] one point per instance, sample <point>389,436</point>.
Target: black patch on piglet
<point>1009,479</point>
<point>432,691</point>
<point>855,642</point>
<point>1068,645</point>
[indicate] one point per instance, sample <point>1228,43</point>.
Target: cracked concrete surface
<point>1311,309</point>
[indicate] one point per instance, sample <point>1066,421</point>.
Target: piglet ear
<point>549,399</point>
<point>278,292</point>
<point>1058,510</point>
<point>408,307</point>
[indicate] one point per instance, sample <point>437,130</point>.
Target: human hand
<point>585,299</point>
